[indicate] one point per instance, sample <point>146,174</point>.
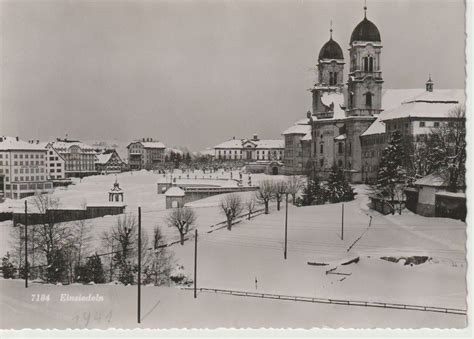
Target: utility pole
<point>286,224</point>
<point>139,261</point>
<point>26,244</point>
<point>342,223</point>
<point>195,262</point>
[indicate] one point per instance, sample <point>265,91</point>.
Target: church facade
<point>348,119</point>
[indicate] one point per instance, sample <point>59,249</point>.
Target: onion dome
<point>331,50</point>
<point>365,31</point>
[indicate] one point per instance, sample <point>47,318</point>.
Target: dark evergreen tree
<point>313,193</point>
<point>92,271</point>
<point>57,271</point>
<point>337,187</point>
<point>392,173</point>
<point>7,267</point>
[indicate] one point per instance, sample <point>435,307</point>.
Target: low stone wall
<point>65,215</point>
<point>6,216</point>
<point>454,207</point>
<point>411,199</point>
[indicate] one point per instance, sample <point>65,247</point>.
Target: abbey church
<point>347,125</point>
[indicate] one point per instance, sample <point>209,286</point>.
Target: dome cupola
<point>365,31</point>
<point>331,50</point>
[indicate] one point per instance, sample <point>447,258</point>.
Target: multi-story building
<point>79,158</point>
<point>420,113</point>
<point>23,170</point>
<point>297,154</point>
<point>55,163</point>
<point>254,149</point>
<point>146,154</point>
<point>109,162</point>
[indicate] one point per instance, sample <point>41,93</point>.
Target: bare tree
<point>82,234</point>
<point>265,193</point>
<point>280,189</point>
<point>123,239</point>
<point>294,185</point>
<point>250,206</point>
<point>184,219</point>
<point>55,240</point>
<point>448,146</point>
<point>231,205</point>
<point>158,270</point>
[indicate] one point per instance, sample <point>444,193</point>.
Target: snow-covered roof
<point>11,143</point>
<point>307,136</point>
<point>149,144</point>
<point>153,144</point>
<point>270,143</point>
<point>103,158</point>
<point>174,191</point>
<point>232,143</point>
<point>65,145</point>
<point>261,143</point>
<point>439,179</point>
<point>452,194</point>
<point>336,98</point>
<point>420,110</point>
<point>434,180</point>
<point>298,129</point>
<point>400,103</point>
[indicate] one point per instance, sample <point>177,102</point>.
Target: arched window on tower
<point>366,64</point>
<point>371,64</point>
<point>368,99</point>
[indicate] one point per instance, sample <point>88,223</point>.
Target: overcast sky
<point>195,73</point>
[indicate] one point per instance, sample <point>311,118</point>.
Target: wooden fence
<point>398,306</point>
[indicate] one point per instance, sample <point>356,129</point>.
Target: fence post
<point>26,244</point>
<point>139,262</point>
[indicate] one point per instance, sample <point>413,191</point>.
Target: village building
<point>421,111</point>
<point>146,154</point>
<point>253,149</point>
<point>429,197</point>
<point>79,157</point>
<point>109,161</point>
<point>297,154</point>
<point>23,170</point>
<point>55,163</point>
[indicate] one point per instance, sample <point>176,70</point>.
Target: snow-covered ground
<point>253,250</point>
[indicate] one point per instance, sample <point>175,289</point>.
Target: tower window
<point>321,148</point>
<point>339,148</point>
<point>371,64</point>
<point>366,64</point>
<point>368,99</point>
<point>332,78</point>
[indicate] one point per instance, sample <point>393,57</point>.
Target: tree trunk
<point>266,207</point>
<point>250,213</point>
<point>293,199</point>
<point>229,224</point>
<point>278,204</point>
<point>181,238</point>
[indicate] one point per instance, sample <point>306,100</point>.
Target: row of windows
<point>28,163</point>
<point>28,178</point>
<point>30,156</point>
<point>27,170</point>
